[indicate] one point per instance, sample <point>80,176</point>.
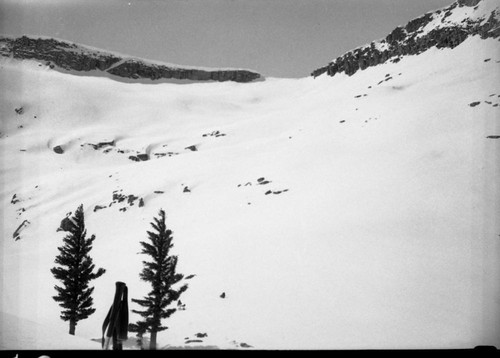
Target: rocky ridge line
<point>405,40</point>
<point>70,56</point>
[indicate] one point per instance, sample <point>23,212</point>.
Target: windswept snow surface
<point>385,233</point>
<point>22,334</point>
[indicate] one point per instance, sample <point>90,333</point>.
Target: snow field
<point>387,236</point>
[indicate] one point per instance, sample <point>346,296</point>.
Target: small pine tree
<point>75,272</point>
<point>161,273</point>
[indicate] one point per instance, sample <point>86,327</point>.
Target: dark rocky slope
<point>73,57</point>
<point>449,29</point>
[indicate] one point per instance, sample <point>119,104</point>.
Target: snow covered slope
<point>22,334</point>
<point>334,213</point>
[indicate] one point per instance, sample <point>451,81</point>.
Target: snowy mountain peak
<point>68,56</point>
<point>443,28</point>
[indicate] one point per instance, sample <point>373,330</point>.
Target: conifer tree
<point>76,270</point>
<point>161,273</point>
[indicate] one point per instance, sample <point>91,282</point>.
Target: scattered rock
<point>99,207</point>
<point>159,155</point>
<point>474,104</point>
<point>192,148</point>
<point>17,233</point>
<point>101,144</point>
<point>262,181</point>
<point>201,335</point>
<point>19,110</point>
<point>131,198</point>
<point>194,341</point>
<point>58,149</point>
<point>158,192</point>
<point>141,202</point>
<point>139,157</point>
<point>143,157</point>
<point>245,345</point>
<point>214,134</point>
<point>186,190</point>
<point>493,137</point>
<point>342,121</point>
<point>14,199</point>
<point>276,192</point>
<point>223,295</point>
<point>189,277</point>
<point>119,198</point>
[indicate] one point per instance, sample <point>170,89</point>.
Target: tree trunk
<point>72,326</point>
<point>152,342</point>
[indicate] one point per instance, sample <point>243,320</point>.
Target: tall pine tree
<point>161,273</point>
<point>76,270</point>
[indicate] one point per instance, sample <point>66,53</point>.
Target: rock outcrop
<point>135,69</point>
<point>63,54</point>
<point>434,29</point>
<point>73,57</point>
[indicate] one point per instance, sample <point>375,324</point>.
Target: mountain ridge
<point>71,56</point>
<point>420,34</point>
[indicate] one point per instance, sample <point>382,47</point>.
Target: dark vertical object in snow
<point>116,322</point>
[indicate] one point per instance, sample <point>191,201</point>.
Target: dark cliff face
<point>135,69</point>
<point>69,56</point>
<point>62,54</point>
<point>412,39</point>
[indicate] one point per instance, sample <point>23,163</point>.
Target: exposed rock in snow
<point>444,28</point>
<point>73,57</point>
